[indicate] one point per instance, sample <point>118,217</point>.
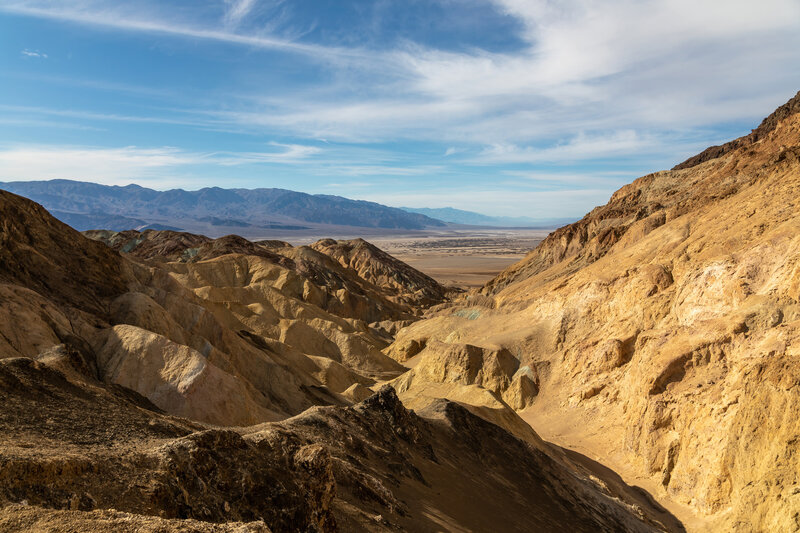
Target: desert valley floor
<point>464,258</point>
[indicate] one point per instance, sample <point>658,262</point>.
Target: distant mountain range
<point>459,216</point>
<point>212,210</point>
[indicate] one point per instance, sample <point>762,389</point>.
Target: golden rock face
<point>663,329</point>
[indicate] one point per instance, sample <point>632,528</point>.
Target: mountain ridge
<point>767,125</point>
<point>266,208</point>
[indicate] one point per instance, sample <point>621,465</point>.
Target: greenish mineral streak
<point>130,245</point>
<point>469,314</point>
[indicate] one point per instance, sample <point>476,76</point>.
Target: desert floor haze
<point>635,371</point>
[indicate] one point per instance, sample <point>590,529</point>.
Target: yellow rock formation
<point>661,333</point>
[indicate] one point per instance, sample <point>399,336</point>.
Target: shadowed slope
<point>373,467</point>
<point>37,251</point>
<point>137,325</point>
<point>401,282</point>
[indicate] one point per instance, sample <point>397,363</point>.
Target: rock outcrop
<point>372,467</point>
<point>495,370</point>
<point>663,331</point>
<point>402,283</point>
<point>352,279</point>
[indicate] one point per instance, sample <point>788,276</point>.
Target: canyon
<point>635,371</point>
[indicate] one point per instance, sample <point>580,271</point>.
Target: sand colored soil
<point>468,259</point>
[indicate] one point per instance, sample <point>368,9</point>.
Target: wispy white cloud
<point>199,120</point>
<point>237,10</point>
<point>130,163</point>
<point>536,179</point>
<point>23,122</point>
<point>126,17</point>
<point>102,165</point>
<point>34,53</point>
<point>602,66</point>
<point>451,150</point>
<point>285,153</point>
<point>612,66</point>
<point>592,80</point>
<point>383,170</point>
<point>349,185</point>
<point>371,120</point>
<point>580,147</point>
<point>102,85</point>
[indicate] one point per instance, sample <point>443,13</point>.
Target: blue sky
<point>506,107</point>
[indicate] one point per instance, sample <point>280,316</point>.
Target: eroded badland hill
<point>163,381</point>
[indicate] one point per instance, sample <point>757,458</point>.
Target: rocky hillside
<point>658,335</point>
<point>403,283</point>
<point>236,386</point>
<point>242,386</point>
<point>238,334</point>
<point>354,278</point>
<point>653,200</point>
